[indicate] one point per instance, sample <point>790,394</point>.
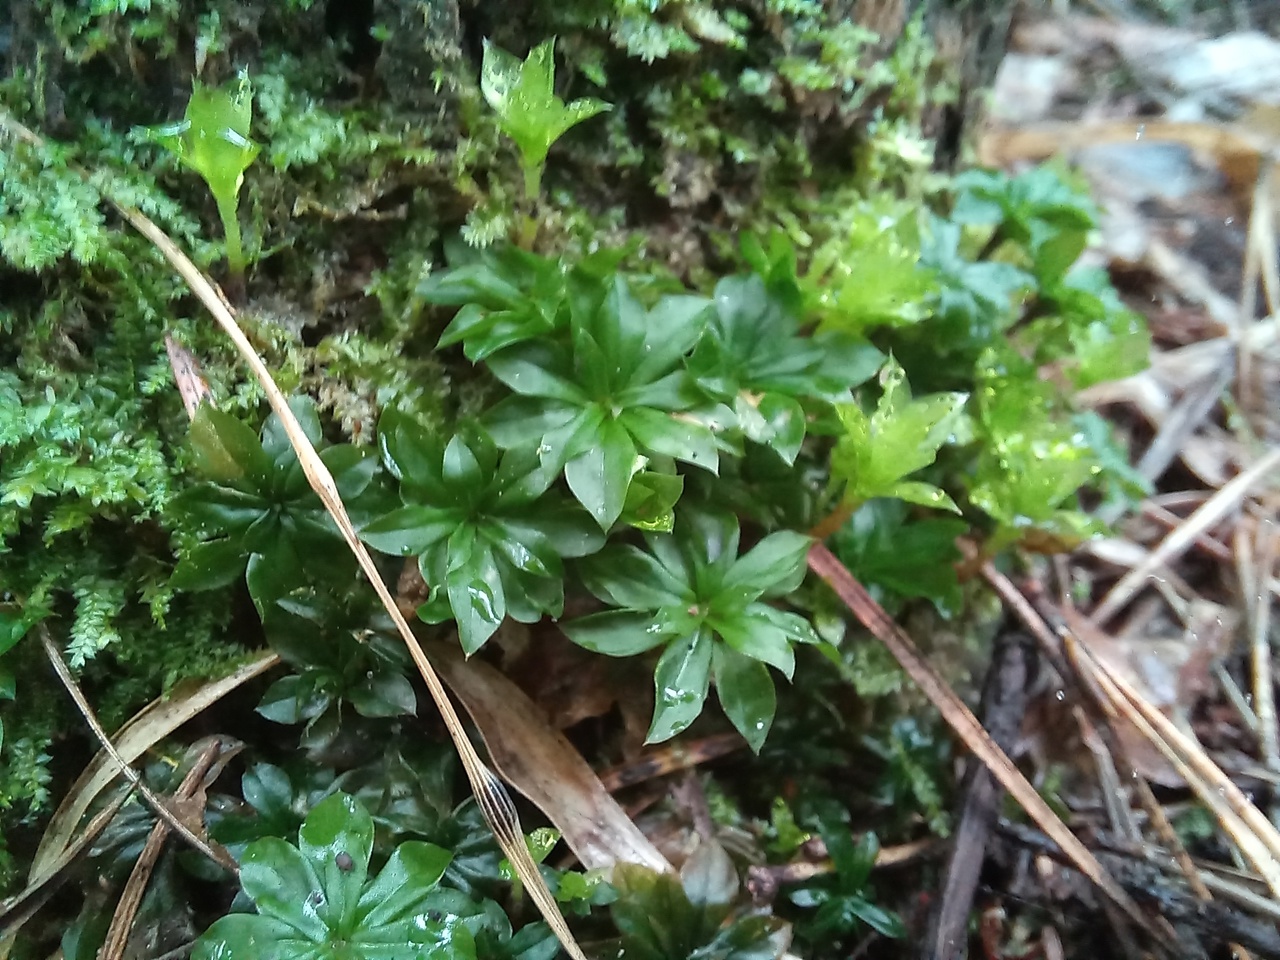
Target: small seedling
<point>212,139</point>
<point>528,110</point>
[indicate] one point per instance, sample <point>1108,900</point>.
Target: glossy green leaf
<point>384,694</point>
<point>746,693</point>
<point>315,902</point>
<point>599,477</point>
<point>750,633</point>
<point>404,884</point>
<point>409,530</point>
<point>627,577</point>
<point>774,566</point>
<point>475,592</point>
<point>281,882</point>
<point>680,683</point>
<point>680,439</point>
<point>615,633</point>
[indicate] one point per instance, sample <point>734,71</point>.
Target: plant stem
<point>836,519</point>
<point>532,180</point>
<point>231,229</point>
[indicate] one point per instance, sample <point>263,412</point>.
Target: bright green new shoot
<point>528,109</point>
<point>213,140</point>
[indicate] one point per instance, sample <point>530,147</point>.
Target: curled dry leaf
<point>539,762</point>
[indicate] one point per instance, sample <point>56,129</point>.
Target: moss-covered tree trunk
<point>731,119</point>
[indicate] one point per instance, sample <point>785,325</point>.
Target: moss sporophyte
<point>212,139</point>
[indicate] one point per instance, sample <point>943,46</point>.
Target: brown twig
<point>966,725</point>
<point>117,938</point>
<point>1004,699</point>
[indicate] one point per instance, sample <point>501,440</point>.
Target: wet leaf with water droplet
<point>681,681</point>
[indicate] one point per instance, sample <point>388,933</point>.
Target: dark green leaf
<point>774,566</point>
<point>409,530</point>
<point>680,681</point>
<point>627,577</point>
<point>615,633</point>
<point>666,434</point>
<point>384,694</point>
<point>757,637</point>
<point>599,477</point>
<point>746,693</point>
<point>475,592</point>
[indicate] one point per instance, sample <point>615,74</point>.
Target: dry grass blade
<point>220,857</point>
<point>150,725</point>
<point>966,725</point>
<point>1178,541</point>
<point>1256,837</point>
<point>113,946</point>
<point>490,794</point>
<point>1257,600</point>
<point>34,893</point>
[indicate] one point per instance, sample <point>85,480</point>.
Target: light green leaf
<point>337,841</point>
<point>528,110</point>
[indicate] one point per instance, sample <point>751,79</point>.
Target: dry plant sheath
<point>491,795</point>
<point>966,725</point>
<point>117,939</point>
<point>29,899</point>
<point>157,804</point>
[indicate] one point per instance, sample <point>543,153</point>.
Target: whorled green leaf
<point>315,901</point>
<point>692,593</point>
<point>489,537</point>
